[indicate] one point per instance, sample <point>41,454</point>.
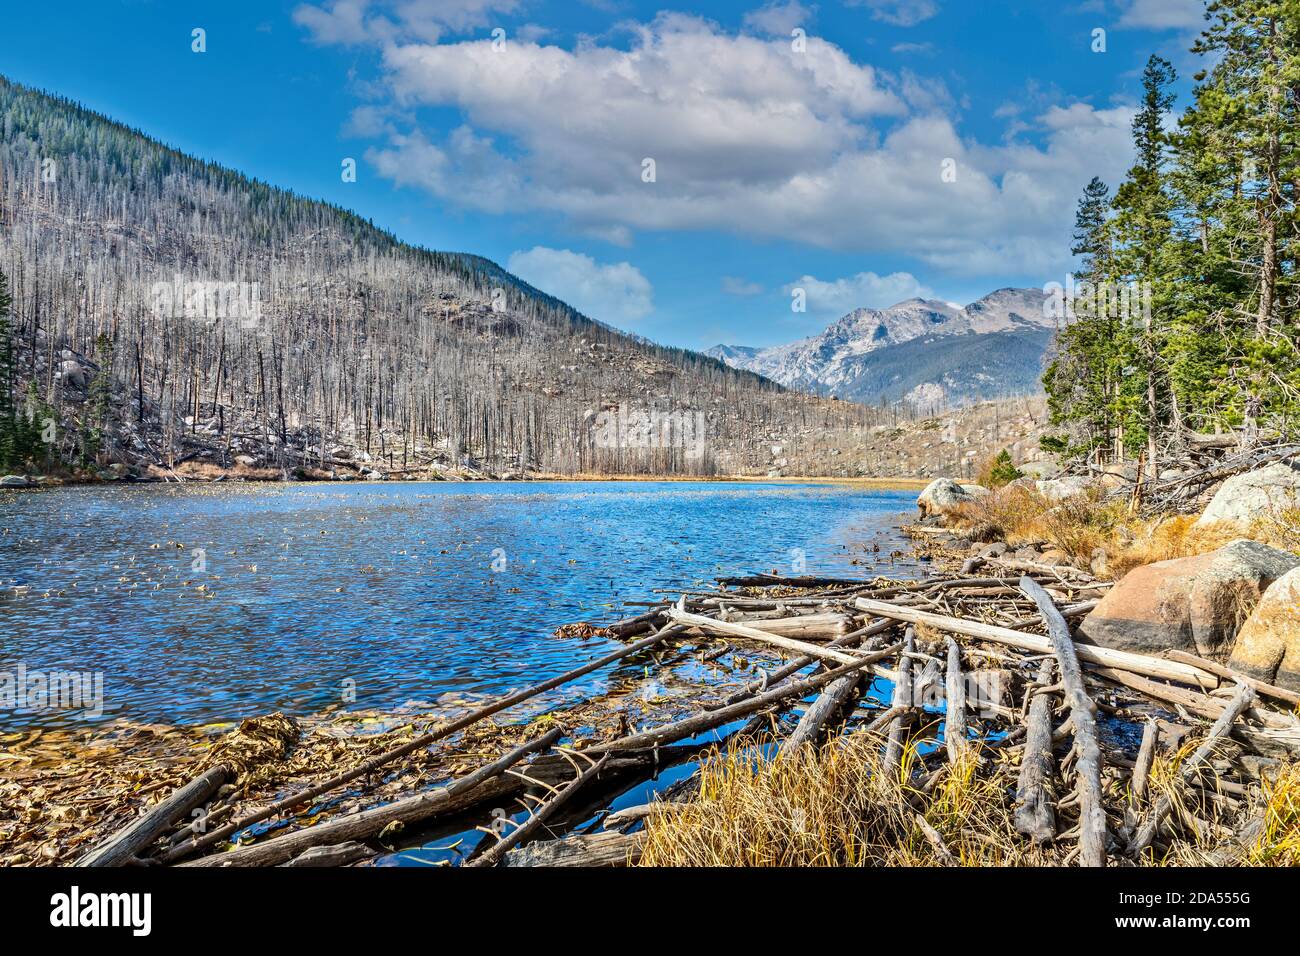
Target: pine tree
<point>1091,228</point>
<point>97,427</point>
<point>1143,225</point>
<point>1079,378</point>
<point>1250,96</point>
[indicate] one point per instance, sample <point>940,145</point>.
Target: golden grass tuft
<point>833,806</point>
<point>1278,843</point>
<point>1082,525</point>
<point>836,806</point>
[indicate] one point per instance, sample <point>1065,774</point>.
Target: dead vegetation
<point>1092,524</point>
<point>869,776</point>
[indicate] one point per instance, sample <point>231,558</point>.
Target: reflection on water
<point>214,602</point>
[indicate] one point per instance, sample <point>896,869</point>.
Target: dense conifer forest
<point>1187,299</point>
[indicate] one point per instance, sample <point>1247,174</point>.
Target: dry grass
<point>1278,843</point>
<point>1082,525</point>
<point>1263,831</point>
<point>1282,529</point>
<point>833,806</point>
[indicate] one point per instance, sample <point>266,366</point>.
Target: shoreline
<point>883,484</point>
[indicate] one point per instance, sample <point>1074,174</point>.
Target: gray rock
<point>72,374</point>
<point>995,550</point>
<point>1244,498</point>
<point>1193,604</point>
<point>1058,489</point>
<point>15,481</point>
<point>943,495</point>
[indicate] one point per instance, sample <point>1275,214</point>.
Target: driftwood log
<point>903,702</point>
<point>954,729</point>
<point>709,720</point>
<point>1104,656</point>
<point>493,854</point>
<point>1092,812</point>
<point>126,844</point>
<point>1222,727</point>
<point>604,849</point>
<point>828,704</point>
<point>480,786</point>
<point>1035,814</point>
<point>444,730</point>
<point>1146,756</point>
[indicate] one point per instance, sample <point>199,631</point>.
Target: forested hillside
<point>169,313</point>
<point>1188,308</point>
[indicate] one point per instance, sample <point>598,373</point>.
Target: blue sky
<point>892,148</point>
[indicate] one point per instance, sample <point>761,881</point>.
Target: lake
<point>199,603</point>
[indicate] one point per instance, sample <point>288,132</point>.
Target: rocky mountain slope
<point>928,353</point>
<point>174,316</point>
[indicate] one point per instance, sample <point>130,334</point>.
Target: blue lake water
<point>201,603</point>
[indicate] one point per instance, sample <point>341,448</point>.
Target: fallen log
<point>799,663</point>
<point>712,625</point>
<point>1035,794</point>
<point>1061,571</point>
<point>1263,688</point>
<point>492,856</point>
<point>1092,812</point>
<point>772,580</point>
<point>1146,756</point>
<point>127,843</point>
<point>604,849</point>
<point>340,854</point>
<point>830,702</point>
<point>369,766</point>
<point>1200,704</point>
<point>482,785</point>
<point>1222,727</point>
<point>805,626</point>
<point>954,728</point>
<point>903,702</point>
<point>1123,660</point>
<point>700,723</point>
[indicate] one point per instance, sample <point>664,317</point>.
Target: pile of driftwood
<point>987,661</point>
<point>1210,460</point>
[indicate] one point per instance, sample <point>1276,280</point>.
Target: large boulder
<point>1058,489</point>
<point>1191,604</point>
<point>1268,645</point>
<point>943,495</point>
<point>1244,498</point>
<point>73,374</point>
<point>15,481</point>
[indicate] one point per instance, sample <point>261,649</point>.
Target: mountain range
<point>924,352</point>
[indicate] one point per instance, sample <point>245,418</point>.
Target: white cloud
<point>617,293</point>
<point>779,19</point>
<point>900,13</point>
<point>864,290</point>
<point>353,22</point>
<point>748,137</point>
<point>1164,14</point>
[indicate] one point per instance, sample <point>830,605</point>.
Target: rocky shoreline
<point>1038,706</point>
